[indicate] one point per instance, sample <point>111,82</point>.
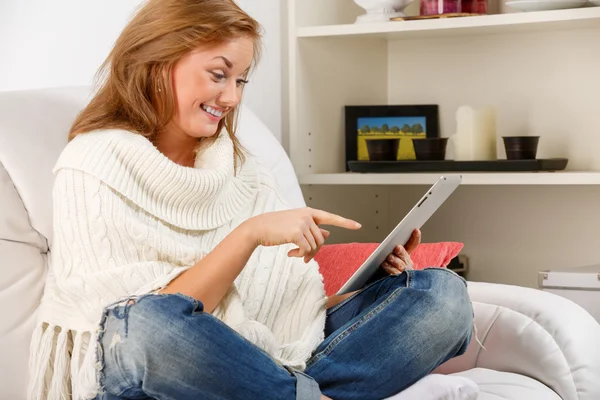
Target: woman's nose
<point>230,96</point>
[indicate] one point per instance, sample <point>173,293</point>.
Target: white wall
<point>62,42</point>
<point>264,94</point>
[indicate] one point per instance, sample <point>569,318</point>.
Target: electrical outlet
<point>459,264</point>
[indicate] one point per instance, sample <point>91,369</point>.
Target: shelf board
<point>579,18</point>
<point>470,178</point>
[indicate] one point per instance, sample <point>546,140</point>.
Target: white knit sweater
<point>127,220</point>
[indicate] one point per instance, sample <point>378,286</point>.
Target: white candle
<point>475,137</point>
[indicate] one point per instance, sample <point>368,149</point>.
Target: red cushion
<point>337,262</point>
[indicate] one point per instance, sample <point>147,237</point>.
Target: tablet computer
<point>415,219</point>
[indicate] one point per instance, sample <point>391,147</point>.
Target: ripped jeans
<point>379,341</point>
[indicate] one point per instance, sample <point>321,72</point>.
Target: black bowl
<point>428,149</point>
<point>383,149</point>
<point>521,147</point>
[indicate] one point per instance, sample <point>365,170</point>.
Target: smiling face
<point>208,84</point>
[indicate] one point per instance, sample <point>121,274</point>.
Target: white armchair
<point>538,346</point>
<point>534,341</point>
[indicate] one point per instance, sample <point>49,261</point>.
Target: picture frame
<point>389,121</point>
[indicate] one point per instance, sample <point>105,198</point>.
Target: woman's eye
<point>241,82</point>
<point>218,76</point>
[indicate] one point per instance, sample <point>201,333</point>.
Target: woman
<point>178,271</point>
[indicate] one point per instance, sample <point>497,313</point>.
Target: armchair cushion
<point>22,257</point>
<point>496,385</point>
<point>535,334</point>
<point>337,262</point>
<point>440,387</point>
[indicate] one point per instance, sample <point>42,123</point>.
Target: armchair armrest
<point>534,333</point>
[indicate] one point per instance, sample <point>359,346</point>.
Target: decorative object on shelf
<point>383,149</point>
<point>477,7</point>
<point>434,16</point>
<point>521,147</point>
<point>437,7</point>
<point>404,122</point>
<point>387,167</point>
<point>452,8</point>
<point>381,10</point>
<point>545,5</point>
<point>430,148</point>
<point>475,137</point>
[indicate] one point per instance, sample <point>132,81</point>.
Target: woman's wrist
<point>249,230</point>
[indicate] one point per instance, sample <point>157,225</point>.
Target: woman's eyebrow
<point>228,63</point>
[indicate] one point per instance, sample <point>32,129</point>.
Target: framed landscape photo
<point>403,122</point>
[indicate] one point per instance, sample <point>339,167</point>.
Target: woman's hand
<point>399,259</point>
<point>299,226</point>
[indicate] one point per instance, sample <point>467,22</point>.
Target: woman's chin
<point>204,132</point>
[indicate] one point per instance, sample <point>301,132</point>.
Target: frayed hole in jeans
<point>115,340</point>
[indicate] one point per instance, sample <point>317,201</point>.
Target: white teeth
<point>212,111</point>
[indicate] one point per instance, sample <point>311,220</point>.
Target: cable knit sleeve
<point>106,245</point>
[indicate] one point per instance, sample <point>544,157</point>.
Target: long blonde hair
<point>159,35</point>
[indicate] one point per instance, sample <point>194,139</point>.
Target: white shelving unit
<point>487,24</point>
<point>334,62</point>
<point>517,178</point>
<point>539,70</point>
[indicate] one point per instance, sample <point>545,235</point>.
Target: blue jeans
<point>378,342</point>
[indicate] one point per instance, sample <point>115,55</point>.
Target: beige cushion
<point>496,385</point>
<point>33,131</point>
<point>22,270</point>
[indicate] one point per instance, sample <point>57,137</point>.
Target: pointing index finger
<point>326,218</point>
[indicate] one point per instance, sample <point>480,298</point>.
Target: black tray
<point>550,164</point>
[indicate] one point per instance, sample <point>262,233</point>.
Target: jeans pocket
<point>343,302</point>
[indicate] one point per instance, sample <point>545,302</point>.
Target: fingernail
<point>358,225</point>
